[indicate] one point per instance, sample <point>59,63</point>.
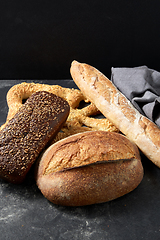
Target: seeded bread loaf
<point>28,132</point>
<point>118,109</point>
<point>89,168</point>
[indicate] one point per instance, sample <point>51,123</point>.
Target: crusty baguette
<point>89,168</point>
<point>28,132</point>
<point>118,109</point>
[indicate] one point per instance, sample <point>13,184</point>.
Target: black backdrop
<point>39,39</point>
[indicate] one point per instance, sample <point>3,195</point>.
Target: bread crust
<point>89,168</point>
<point>78,117</point>
<point>28,132</point>
<point>118,109</point>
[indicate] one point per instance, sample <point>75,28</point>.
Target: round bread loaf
<point>88,168</point>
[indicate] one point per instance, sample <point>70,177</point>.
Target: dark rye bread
<point>88,168</point>
<point>28,132</point>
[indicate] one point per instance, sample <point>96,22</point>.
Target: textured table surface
<point>26,214</point>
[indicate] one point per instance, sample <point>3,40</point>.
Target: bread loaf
<point>89,168</point>
<point>118,109</point>
<point>28,132</point>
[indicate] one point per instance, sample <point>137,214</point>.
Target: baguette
<point>118,109</point>
<point>28,132</point>
<point>88,168</point>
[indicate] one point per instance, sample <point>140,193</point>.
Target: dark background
<point>39,39</point>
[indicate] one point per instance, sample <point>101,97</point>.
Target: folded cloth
<point>141,86</point>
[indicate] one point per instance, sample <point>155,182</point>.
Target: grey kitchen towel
<point>141,85</point>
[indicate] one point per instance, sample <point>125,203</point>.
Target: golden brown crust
<point>88,168</point>
<point>117,108</point>
<point>86,148</point>
<point>77,117</point>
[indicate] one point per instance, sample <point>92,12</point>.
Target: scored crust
<point>89,168</point>
<point>118,109</point>
<point>87,148</point>
<point>79,120</point>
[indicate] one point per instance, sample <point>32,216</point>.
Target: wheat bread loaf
<point>88,168</point>
<point>118,109</point>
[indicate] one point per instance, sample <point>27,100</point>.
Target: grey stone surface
<point>26,214</point>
